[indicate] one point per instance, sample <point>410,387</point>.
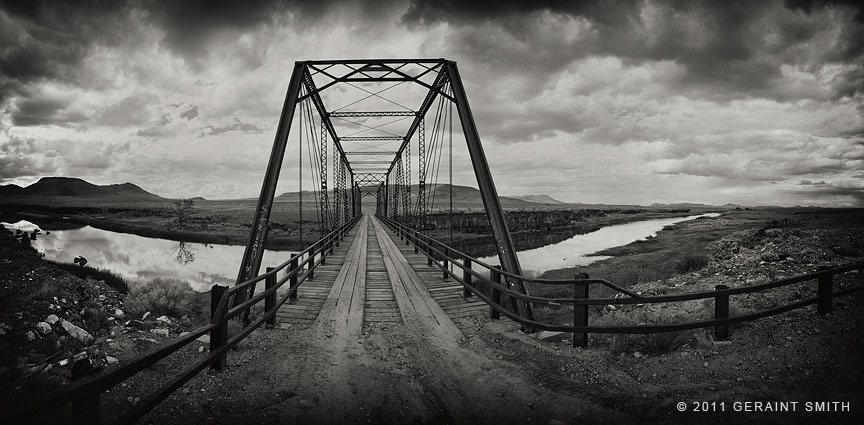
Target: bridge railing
<point>83,397</point>
<point>494,279</point>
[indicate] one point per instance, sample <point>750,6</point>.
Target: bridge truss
<point>371,140</point>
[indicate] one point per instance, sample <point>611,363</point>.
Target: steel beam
<point>388,153</point>
<point>371,139</point>
<point>440,80</point>
<point>252,255</point>
<point>503,240</point>
<point>356,114</point>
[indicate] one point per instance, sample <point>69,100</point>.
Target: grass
<point>691,262</point>
<point>652,344</point>
<point>110,278</point>
<point>160,296</point>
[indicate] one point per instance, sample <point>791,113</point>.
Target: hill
<point>73,187</point>
<point>538,199</point>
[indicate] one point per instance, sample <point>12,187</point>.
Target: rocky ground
<point>799,356</point>
<point>56,328</point>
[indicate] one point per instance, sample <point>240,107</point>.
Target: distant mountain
<point>10,190</point>
<point>692,205</point>
<point>537,199</point>
<point>73,187</point>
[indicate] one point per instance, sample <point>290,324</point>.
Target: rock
<point>203,338</point>
<point>31,335</point>
<point>79,356</point>
<point>550,336</point>
<point>163,319</point>
<point>63,362</point>
<point>43,328</point>
<point>112,360</point>
<point>4,328</point>
<point>145,316</point>
<point>76,332</point>
<point>119,314</point>
<point>202,349</point>
<point>52,319</point>
<point>159,331</point>
<point>638,355</point>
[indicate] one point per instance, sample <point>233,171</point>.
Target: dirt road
<point>342,370</point>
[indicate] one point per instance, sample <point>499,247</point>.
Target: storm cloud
<point>644,101</point>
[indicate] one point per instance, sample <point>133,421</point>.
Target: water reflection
<point>139,258</point>
<point>184,254</point>
<point>577,250</point>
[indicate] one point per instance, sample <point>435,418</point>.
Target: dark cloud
<point>730,49</point>
<point>48,40</point>
<point>191,26</point>
<point>47,108</point>
<point>238,125</point>
<point>190,113</point>
<point>811,183</point>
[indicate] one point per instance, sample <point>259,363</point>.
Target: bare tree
<point>183,210</point>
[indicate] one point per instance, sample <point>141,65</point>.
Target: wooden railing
<point>84,396</point>
<point>460,266</point>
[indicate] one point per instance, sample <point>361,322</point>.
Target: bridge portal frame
<point>302,86</point>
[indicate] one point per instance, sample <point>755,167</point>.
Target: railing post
<point>417,243</point>
<point>429,257</point>
<point>311,274</point>
<point>824,293</point>
<point>495,276</point>
<point>324,251</point>
<point>292,282</point>
<point>219,334</point>
<point>580,314</point>
<point>270,300</point>
<point>721,311</point>
<point>466,276</point>
<point>446,263</point>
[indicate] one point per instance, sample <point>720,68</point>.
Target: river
<point>578,250</point>
<point>139,258</point>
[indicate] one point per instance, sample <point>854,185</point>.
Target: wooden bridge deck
<point>377,283</point>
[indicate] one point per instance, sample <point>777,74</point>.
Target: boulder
<point>43,328</point>
<point>76,332</point>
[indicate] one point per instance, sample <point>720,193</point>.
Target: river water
<point>140,258</point>
<point>577,250</point>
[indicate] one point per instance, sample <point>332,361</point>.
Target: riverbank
<point>706,242</point>
<point>228,222</point>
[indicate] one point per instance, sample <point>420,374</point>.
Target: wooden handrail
<point>451,256</point>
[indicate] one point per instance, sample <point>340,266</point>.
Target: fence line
<point>499,282</point>
<point>84,395</point>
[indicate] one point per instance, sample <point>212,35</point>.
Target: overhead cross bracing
<point>384,109</point>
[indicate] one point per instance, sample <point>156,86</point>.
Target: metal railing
<point>495,279</point>
<point>84,395</point>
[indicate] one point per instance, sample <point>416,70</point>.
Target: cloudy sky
<point>752,102</point>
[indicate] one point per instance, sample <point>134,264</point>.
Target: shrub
<point>663,342</point>
<point>691,263</point>
<point>170,297</point>
<point>110,278</point>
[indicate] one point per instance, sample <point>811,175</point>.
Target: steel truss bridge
<point>385,267</point>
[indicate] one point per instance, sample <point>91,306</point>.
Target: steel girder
<point>381,153</point>
<point>358,114</point>
<point>379,70</point>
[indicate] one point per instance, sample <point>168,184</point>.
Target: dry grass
<point>170,297</point>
